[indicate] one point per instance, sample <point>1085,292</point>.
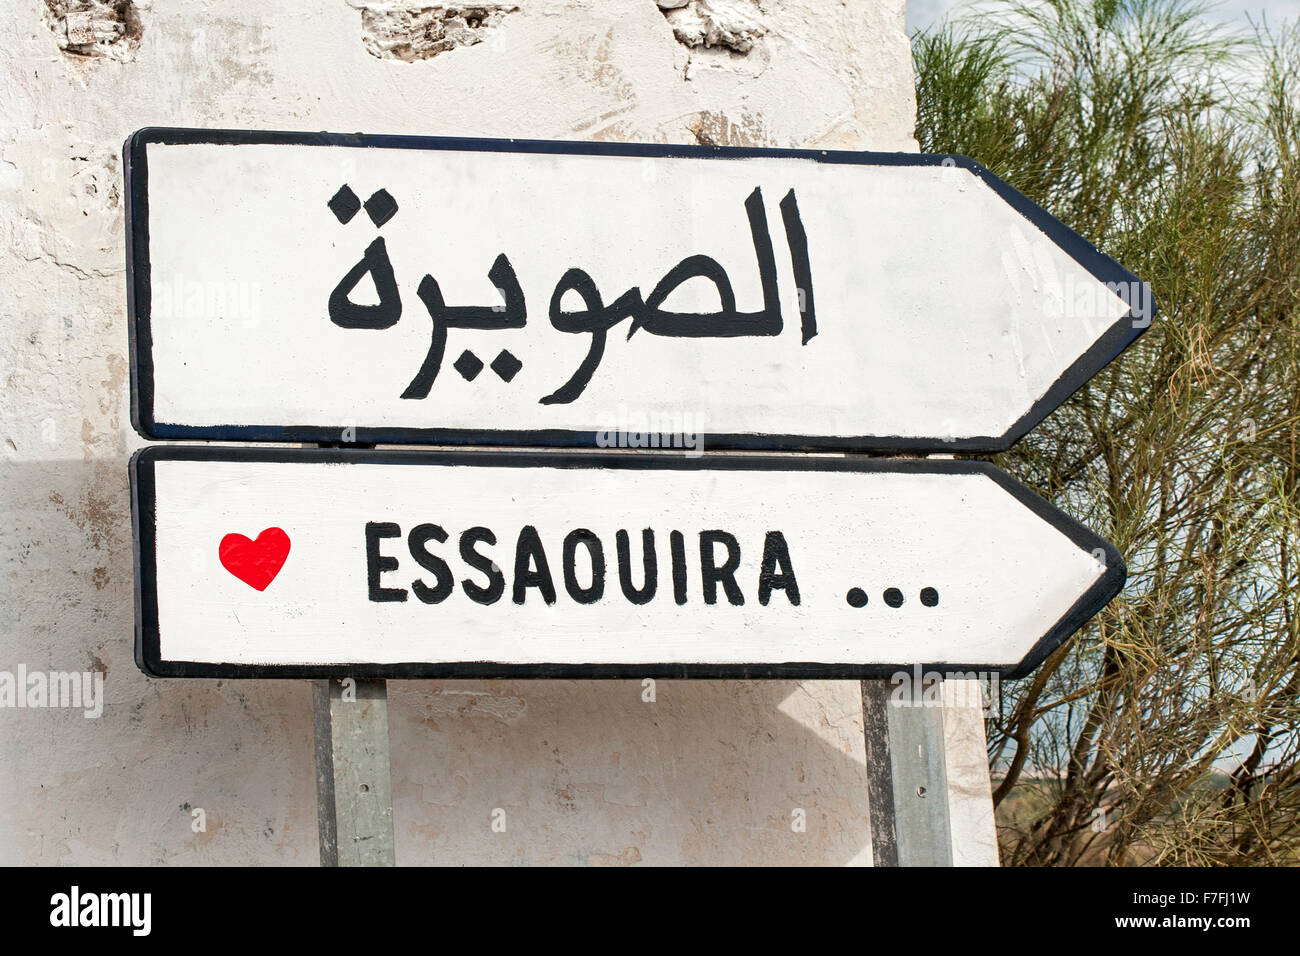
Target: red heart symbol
<point>256,563</point>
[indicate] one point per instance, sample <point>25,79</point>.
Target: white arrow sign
<point>299,563</point>
<point>318,287</point>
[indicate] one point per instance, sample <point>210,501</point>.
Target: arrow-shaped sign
<point>480,564</point>
<point>318,287</point>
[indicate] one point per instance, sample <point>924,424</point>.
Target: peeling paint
<point>95,28</point>
<point>712,128</point>
<point>395,32</point>
<point>732,25</point>
<point>96,513</point>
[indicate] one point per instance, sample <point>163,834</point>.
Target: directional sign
<point>319,287</point>
<point>309,562</point>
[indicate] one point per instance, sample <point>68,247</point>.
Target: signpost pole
<point>354,797</point>
<point>907,781</point>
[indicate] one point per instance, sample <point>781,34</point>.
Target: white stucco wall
<point>586,772</point>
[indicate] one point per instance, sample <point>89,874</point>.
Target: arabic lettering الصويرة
<point>595,318</point>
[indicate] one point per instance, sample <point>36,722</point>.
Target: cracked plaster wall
<point>587,772</point>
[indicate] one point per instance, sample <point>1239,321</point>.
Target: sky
<point>922,13</point>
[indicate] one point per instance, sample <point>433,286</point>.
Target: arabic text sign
<point>324,287</point>
<point>585,564</point>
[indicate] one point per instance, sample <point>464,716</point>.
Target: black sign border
<point>1117,338</point>
<point>143,516</point>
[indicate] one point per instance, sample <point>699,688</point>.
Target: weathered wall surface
<point>585,772</point>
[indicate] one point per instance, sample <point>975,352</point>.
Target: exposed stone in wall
<point>713,128</point>
<point>95,28</point>
<point>410,33</point>
<point>733,25</point>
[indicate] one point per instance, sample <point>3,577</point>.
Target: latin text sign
<point>309,562</point>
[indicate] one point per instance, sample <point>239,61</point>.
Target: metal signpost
<point>660,313</point>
